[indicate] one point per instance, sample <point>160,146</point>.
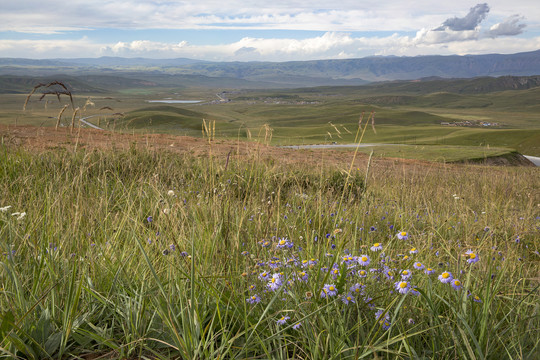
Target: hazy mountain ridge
<point>295,73</point>
<point>104,83</point>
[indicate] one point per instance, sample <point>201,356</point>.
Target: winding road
<point>534,159</point>
<point>83,120</point>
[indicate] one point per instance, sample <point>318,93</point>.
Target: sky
<point>271,30</point>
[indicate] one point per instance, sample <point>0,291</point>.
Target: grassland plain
<point>406,112</point>
<point>145,253</point>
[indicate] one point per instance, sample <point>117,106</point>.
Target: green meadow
<point>154,255</point>
<point>446,120</point>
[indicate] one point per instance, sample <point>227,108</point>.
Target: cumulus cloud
<point>426,36</point>
<point>509,27</point>
<point>470,22</point>
<point>350,29</point>
<point>468,28</point>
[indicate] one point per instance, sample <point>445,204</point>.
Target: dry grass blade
<point>73,118</point>
<point>66,91</point>
<point>88,102</point>
<point>60,116</point>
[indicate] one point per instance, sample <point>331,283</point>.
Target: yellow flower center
<point>472,256</point>
<point>376,244</point>
<point>405,257</point>
<point>349,298</point>
<point>403,284</point>
<point>282,242</point>
<point>336,271</point>
<point>445,275</point>
<point>413,249</point>
<point>331,288</point>
<point>457,282</point>
<point>405,272</point>
<point>364,258</point>
<point>357,290</point>
<point>362,272</point>
<point>253,297</point>
<point>403,233</point>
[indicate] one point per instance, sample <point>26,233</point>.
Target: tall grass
<point>130,254</point>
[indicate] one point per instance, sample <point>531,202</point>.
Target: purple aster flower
<point>283,320</point>
<point>376,247</point>
<point>402,235</point>
<point>362,273</point>
<point>274,264</point>
<point>264,276</point>
<point>429,271</point>
<point>456,284</point>
<point>363,260</point>
<point>357,289</point>
<point>383,319</point>
<point>472,257</point>
<point>476,298</point>
<point>402,287</point>
<point>446,277</point>
<point>335,273</point>
<point>414,291</point>
<point>413,251</point>
<point>329,290</point>
<point>255,299</point>
<point>405,275</point>
<point>285,243</point>
<point>418,265</point>
<point>303,276</point>
<point>297,326</point>
<point>348,260</point>
<point>275,282</point>
<point>389,274</point>
<point>349,298</point>
<point>150,219</point>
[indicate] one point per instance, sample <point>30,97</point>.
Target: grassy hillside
<point>409,112</point>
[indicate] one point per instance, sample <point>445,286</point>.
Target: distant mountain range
<point>292,73</point>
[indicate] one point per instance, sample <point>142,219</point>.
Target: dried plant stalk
<point>60,116</point>
<point>73,118</point>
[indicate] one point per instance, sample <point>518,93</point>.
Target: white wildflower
<point>5,208</point>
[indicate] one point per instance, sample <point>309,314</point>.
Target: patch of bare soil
<point>47,138</point>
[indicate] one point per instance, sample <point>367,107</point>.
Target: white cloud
<point>446,27</point>
<point>368,15</point>
<point>331,45</point>
<point>509,27</point>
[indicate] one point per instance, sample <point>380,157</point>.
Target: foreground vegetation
<point>144,254</point>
